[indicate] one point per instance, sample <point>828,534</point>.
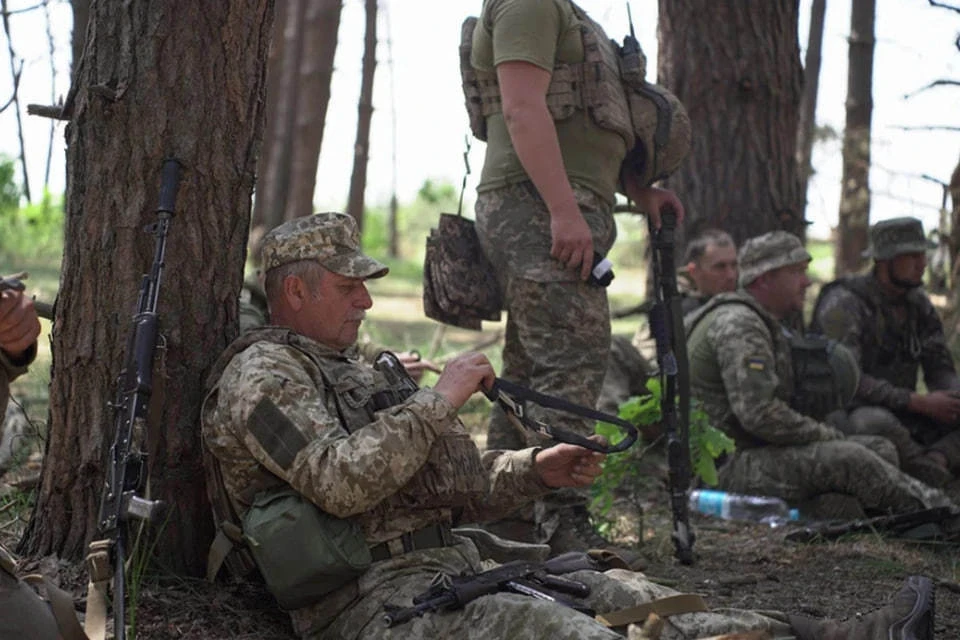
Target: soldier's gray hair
<point>310,271</point>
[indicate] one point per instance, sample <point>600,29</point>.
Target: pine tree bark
<point>854,219</point>
<point>361,148</point>
<point>160,79</point>
<point>736,68</point>
<point>808,99</point>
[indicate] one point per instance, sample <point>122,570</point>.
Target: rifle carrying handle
<point>169,181</point>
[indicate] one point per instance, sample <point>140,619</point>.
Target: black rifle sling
<point>511,397</point>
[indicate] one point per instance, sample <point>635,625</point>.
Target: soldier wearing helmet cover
<point>741,369</point>
<point>888,321</point>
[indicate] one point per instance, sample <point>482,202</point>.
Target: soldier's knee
<point>875,420</point>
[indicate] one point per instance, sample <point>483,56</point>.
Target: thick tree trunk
<point>322,22</point>
<point>736,67</point>
<point>361,149</point>
<point>854,217</point>
<point>808,100</point>
<point>160,79</point>
<point>81,13</point>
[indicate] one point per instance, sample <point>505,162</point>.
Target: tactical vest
<point>811,383</point>
<point>595,85</point>
<point>452,474</point>
<point>895,353</point>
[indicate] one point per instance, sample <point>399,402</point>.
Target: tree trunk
<point>808,99</point>
<point>159,79</point>
<point>322,22</point>
<point>78,37</point>
<point>361,149</point>
<point>854,218</point>
<point>273,186</point>
<point>262,220</point>
<point>735,65</point>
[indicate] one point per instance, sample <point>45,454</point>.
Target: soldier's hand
<point>19,324</point>
<point>568,465</point>
<point>571,240</point>
<point>463,376</point>
<point>651,199</point>
<point>941,406</point>
<point>415,365</point>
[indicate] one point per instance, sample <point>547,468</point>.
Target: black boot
<point>908,617</point>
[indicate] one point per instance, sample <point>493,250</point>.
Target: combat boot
<point>926,470</point>
<point>575,532</point>
<point>908,617</point>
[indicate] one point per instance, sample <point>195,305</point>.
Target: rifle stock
<point>127,458</point>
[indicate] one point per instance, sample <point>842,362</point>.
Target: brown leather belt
<point>431,537</point>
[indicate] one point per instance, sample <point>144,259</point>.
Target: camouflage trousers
<point>507,615</point>
<point>911,434</point>
<point>802,472</point>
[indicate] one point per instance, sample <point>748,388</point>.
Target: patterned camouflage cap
<point>768,252</point>
<point>891,238</point>
<point>332,239</point>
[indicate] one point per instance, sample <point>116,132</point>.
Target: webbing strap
<point>511,396</point>
<point>61,603</point>
<point>669,606</point>
<point>101,572</point>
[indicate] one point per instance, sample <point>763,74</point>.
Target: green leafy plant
<point>620,470</point>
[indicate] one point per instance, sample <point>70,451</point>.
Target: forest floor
<point>739,565</point>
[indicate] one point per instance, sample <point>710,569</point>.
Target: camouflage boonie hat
<point>768,252</point>
<point>891,238</point>
<point>332,239</point>
<point>663,133</point>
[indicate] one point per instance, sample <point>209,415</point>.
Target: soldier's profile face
<point>788,287</point>
<point>716,271</point>
<point>335,309</point>
<point>908,268</point>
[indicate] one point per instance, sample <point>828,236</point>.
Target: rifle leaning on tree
<point>126,467</point>
<point>666,325</point>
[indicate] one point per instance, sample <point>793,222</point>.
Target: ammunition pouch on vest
<point>302,552</point>
<point>825,373</point>
<point>593,85</point>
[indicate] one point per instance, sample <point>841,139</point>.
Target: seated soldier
<point>23,615</point>
<point>889,323</point>
<point>292,411</point>
<point>741,369</point>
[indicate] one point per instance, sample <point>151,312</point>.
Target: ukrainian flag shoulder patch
<point>756,364</point>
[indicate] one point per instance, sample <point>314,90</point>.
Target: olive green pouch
<point>302,552</point>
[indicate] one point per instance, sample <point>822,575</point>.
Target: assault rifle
<point>538,580</point>
<point>127,462</point>
<point>666,325</point>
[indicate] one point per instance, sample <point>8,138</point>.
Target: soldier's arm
<point>747,361</point>
<point>272,408</point>
<point>841,315</point>
<point>939,371</point>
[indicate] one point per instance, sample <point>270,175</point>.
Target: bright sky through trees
<point>915,46</point>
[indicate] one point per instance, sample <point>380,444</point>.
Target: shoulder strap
<point>722,300</point>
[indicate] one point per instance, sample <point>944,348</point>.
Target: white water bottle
<point>735,506</point>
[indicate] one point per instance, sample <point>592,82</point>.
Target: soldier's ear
<point>295,292</point>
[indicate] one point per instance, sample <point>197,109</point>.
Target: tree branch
<point>54,111</point>
<point>934,3</point>
<point>933,127</point>
<point>935,83</point>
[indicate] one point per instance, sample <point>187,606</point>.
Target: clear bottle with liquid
<point>734,506</point>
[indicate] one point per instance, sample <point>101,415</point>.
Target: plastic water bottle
<point>735,506</point>
<point>602,271</point>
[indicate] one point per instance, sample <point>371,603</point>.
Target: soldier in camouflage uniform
<point>711,263</point>
<point>291,405</point>
<point>890,324</point>
<point>544,209</point>
<point>23,614</point>
<point>740,364</point>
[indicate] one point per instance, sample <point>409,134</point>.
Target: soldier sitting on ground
<point>23,615</point>
<point>294,416</point>
<point>741,369</point>
<point>889,323</point>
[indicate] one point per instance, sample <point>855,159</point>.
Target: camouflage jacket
<point>286,409</point>
<point>9,371</point>
<point>740,369</point>
<point>892,340</point>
